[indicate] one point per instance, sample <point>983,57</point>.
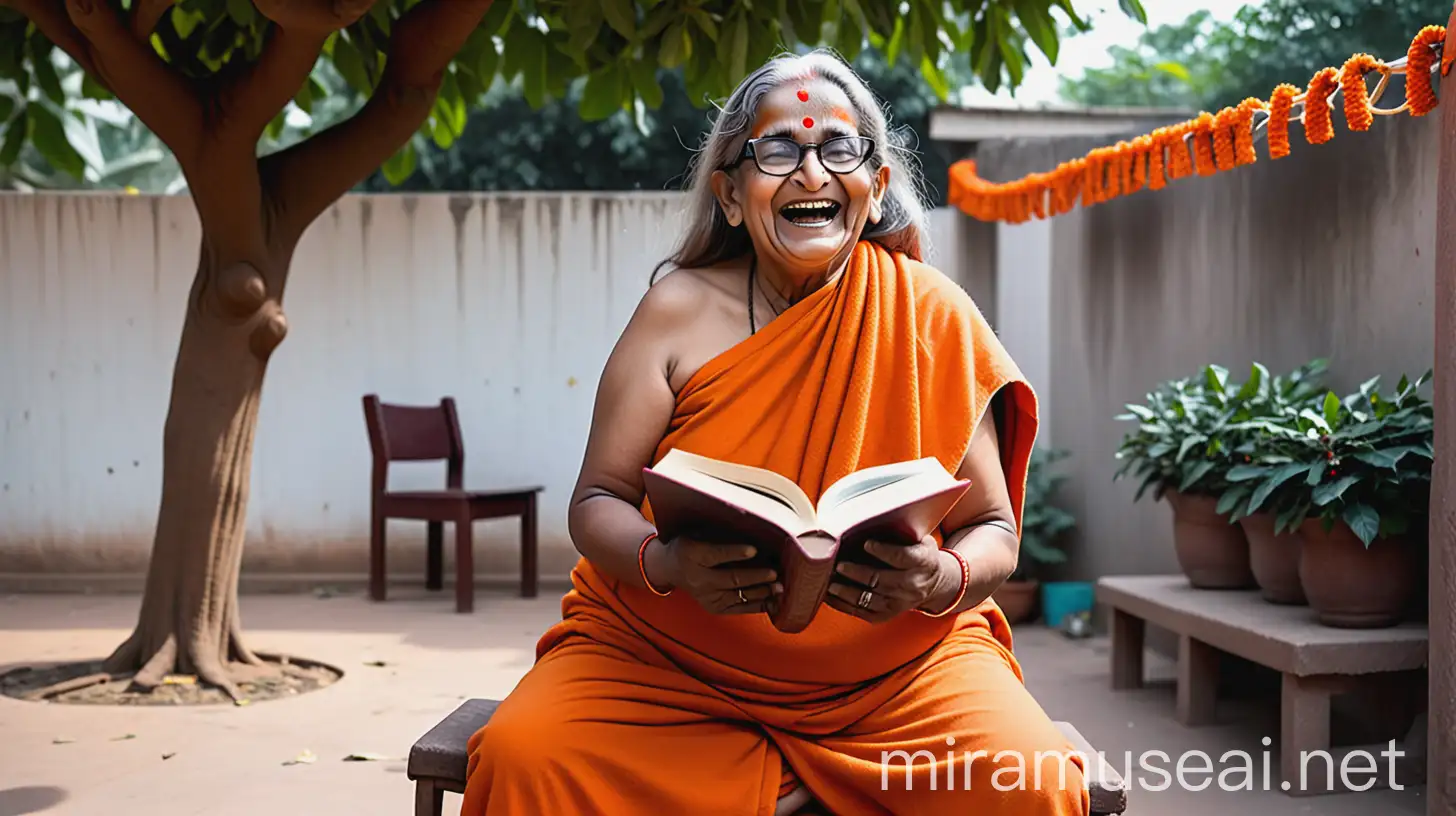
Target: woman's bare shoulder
<point>685,294</point>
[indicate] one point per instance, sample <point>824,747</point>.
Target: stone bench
<point>437,762</point>
<point>1316,662</point>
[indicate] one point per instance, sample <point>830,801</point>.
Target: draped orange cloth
<point>647,704</point>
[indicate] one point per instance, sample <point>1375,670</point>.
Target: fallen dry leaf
<point>179,680</point>
<point>242,702</point>
<point>169,756</point>
<point>123,738</point>
<point>305,757</point>
<point>365,756</point>
<point>62,741</point>
<point>378,663</point>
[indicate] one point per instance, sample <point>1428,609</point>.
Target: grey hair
<point>708,238</point>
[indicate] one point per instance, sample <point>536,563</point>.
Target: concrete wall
<point>1328,252</point>
<point>510,303</point>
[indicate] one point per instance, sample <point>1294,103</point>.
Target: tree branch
<point>94,34</point>
<point>313,16</point>
<point>145,15</point>
<point>305,179</point>
<point>50,17</point>
<point>254,97</point>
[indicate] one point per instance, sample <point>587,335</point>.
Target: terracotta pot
<point>1354,587</point>
<point>1274,559</point>
<point>1212,552</point>
<point>1017,600</point>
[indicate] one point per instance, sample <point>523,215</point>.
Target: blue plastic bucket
<point>1060,599</point>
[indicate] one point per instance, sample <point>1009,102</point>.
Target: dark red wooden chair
<point>400,433</point>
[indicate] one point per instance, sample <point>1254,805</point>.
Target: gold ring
<point>864,599</point>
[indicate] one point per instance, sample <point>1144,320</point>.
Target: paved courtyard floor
<point>114,761</point>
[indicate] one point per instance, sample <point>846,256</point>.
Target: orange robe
<point>650,705</point>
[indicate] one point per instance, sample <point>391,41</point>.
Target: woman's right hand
<point>713,574</point>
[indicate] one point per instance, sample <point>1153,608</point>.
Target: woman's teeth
<point>810,213</point>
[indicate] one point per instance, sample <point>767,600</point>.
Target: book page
<point>880,490</point>
<point>761,481</point>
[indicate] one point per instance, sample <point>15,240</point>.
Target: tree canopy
<point>1203,63</point>
<point>604,57</point>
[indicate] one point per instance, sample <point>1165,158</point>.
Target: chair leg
<point>429,798</point>
<point>377,525</point>
<point>529,569</point>
<point>434,556</point>
<point>464,565</point>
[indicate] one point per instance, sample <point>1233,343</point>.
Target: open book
<point>723,502</point>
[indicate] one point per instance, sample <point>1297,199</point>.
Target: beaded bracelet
<point>642,567</point>
<point>960,596</point>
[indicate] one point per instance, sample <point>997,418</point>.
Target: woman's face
<point>803,220</point>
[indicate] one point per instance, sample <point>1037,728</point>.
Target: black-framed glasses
<point>782,156</point>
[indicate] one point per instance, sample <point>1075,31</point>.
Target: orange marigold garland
<point>1280,105</point>
<point>1223,138</point>
<point>1419,61</point>
<point>1203,145</point>
<point>1354,91</point>
<point>1244,131</point>
<point>1319,124</point>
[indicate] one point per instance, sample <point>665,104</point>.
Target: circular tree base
<point>85,683</point>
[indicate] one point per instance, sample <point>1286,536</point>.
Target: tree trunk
<point>189,621</point>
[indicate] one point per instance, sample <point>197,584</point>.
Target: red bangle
<point>960,596</point>
<point>642,567</point>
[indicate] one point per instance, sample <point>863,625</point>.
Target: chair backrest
<point>414,433</point>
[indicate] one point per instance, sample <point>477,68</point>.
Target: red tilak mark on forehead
<point>808,121</point>
<point>803,96</point>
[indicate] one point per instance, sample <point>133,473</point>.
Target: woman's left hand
<point>911,577</point>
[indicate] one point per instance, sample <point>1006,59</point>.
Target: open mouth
<point>810,213</point>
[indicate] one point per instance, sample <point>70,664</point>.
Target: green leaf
<point>738,47</point>
<point>48,134</point>
<point>15,133</point>
<point>1193,474</point>
<point>46,76</point>
<point>351,65</point>
<point>401,165</point>
<point>1316,472</point>
<point>1331,491</point>
<point>644,82</point>
<point>671,52</point>
<point>1244,473</point>
<point>1133,9</point>
<point>621,15</point>
<point>7,107</point>
<point>1269,485</point>
<point>1215,378</point>
<point>1174,69</point>
<point>1188,444</point>
<point>601,96</point>
<point>1364,522</point>
<point>1230,498</point>
<point>1039,26</point>
<point>1331,409</point>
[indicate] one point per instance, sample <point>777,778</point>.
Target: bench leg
<point>1197,682</point>
<point>1127,651</point>
<point>429,798</point>
<point>528,548</point>
<point>434,555</point>
<point>1304,714</point>
<point>464,565</point>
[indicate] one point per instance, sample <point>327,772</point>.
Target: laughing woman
<point>798,330</point>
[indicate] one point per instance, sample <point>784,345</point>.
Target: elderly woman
<point>799,331</point>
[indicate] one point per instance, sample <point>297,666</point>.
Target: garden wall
<point>509,302</point>
<point>1328,252</point>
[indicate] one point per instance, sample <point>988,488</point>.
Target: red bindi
<point>808,121</point>
<point>803,96</point>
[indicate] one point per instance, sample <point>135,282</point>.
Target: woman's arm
<point>634,404</point>
<point>982,527</point>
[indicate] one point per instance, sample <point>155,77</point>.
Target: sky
<point>1109,27</point>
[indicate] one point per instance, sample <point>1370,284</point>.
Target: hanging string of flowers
<point>1210,143</point>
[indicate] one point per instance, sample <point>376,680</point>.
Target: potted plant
<point>1042,524</point>
<point>1180,451</point>
<point>1353,479</point>
<point>1273,556</point>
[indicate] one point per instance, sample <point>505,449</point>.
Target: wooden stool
<point>437,762</point>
